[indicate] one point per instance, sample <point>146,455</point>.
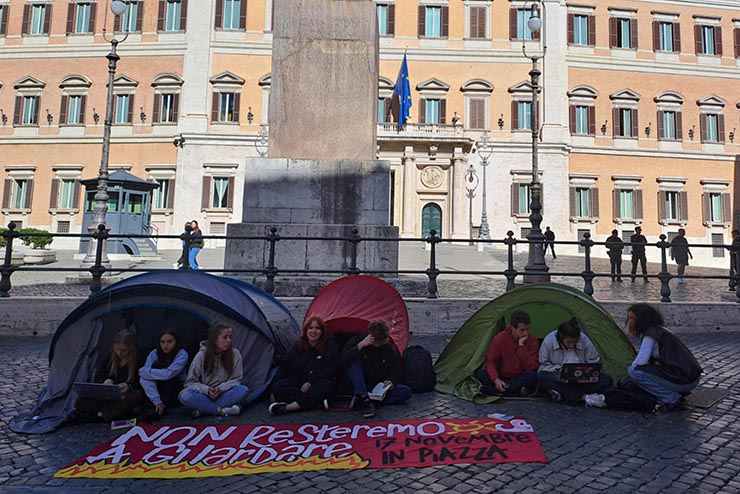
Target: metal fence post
<point>733,269</point>
<point>737,274</point>
<point>588,274</point>
<point>510,272</point>
<point>7,267</point>
<point>353,243</point>
<point>97,270</point>
<point>432,272</point>
<point>664,276</point>
<point>271,270</point>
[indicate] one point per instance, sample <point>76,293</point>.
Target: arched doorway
<point>431,219</point>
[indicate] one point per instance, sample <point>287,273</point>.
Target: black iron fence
<point>97,269</point>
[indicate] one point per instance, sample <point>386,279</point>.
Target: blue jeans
<point>514,385</point>
<point>399,393</point>
<point>196,400</point>
<point>665,391</point>
<point>193,257</point>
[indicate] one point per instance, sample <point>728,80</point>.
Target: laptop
<point>580,373</point>
<point>97,391</point>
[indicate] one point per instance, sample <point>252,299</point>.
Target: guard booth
<point>129,212</point>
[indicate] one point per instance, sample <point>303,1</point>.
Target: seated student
<point>121,370</point>
<point>568,345</point>
<point>308,371</point>
<point>371,360</point>
<point>511,360</point>
<point>213,385</point>
<point>164,372</point>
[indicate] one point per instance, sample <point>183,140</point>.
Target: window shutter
<point>572,119</point>
<point>205,198</point>
<point>76,195</point>
<point>183,15</point>
<point>573,201</point>
<point>237,99</point>
<point>656,36</point>
<point>422,111</point>
<point>633,34</point>
<point>679,126</point>
<point>243,14</point>
<point>514,116</point>
<point>698,43</point>
<point>726,208</point>
<point>477,113</point>
<point>661,130</point>
<point>616,123</point>
<point>737,35</point>
<point>721,128</point>
<point>705,208</point>
<point>230,195</point>
<point>83,103</point>
<point>442,111</point>
<point>162,15</point>
<point>29,194</point>
<point>703,127</point>
<point>392,19</point>
<point>93,14</point>
<point>6,192</point>
<point>445,22</point>
<point>483,22</point>
<point>214,107</point>
<point>615,203</point>
<point>594,202</point>
<point>422,21</point>
<point>175,107</point>
<point>171,194</point>
<point>18,114</point>
<point>637,194</point>
<point>219,19</point>
<point>26,27</point>
<point>54,200</point>
<point>718,40</point>
<point>514,199</point>
<point>613,40</point>
<point>47,18</point>
<point>591,30</point>
<point>63,110</point>
<point>473,21</point>
<point>36,111</point>
<point>139,16</point>
<point>156,117</point>
<point>71,17</point>
<point>634,130</point>
<point>571,37</point>
<point>683,206</point>
<point>4,19</point>
<point>661,205</point>
<point>592,120</point>
<point>676,37</point>
<point>130,116</point>
<point>512,24</point>
<point>117,23</point>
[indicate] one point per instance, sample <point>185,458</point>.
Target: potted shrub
<point>39,254</point>
<point>17,257</point>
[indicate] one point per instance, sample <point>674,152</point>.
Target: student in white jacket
<point>213,385</point>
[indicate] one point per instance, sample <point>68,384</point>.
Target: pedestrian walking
<point>181,260</point>
<point>550,241</point>
<point>615,246</point>
<point>639,242</point>
<point>680,253</point>
<point>196,243</point>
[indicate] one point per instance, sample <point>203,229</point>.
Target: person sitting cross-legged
<point>371,360</point>
<point>568,345</point>
<point>511,360</point>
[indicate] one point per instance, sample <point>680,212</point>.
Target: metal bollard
<point>588,274</point>
<point>510,272</point>
<point>353,243</point>
<point>432,272</point>
<point>664,276</point>
<point>271,271</point>
<point>7,267</point>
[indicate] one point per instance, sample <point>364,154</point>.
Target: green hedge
<point>41,240</point>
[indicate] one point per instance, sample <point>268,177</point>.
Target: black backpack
<point>418,369</point>
<point>628,396</point>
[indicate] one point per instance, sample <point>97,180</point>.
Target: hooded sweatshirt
<point>201,380</point>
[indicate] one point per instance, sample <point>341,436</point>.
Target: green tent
<point>548,305</point>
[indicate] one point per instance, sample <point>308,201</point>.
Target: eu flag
<point>401,99</point>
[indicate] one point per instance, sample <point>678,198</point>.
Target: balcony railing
<point>421,131</point>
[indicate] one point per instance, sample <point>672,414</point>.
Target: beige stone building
<point>638,115</point>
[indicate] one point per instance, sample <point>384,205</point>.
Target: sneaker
<point>326,405</point>
<point>175,266</point>
<point>231,411</point>
<point>195,414</point>
<point>278,408</point>
<point>595,400</point>
<point>555,395</point>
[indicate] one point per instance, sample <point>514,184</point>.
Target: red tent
<point>348,304</point>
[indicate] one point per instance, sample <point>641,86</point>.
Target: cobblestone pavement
<point>454,258</point>
<point>590,450</point>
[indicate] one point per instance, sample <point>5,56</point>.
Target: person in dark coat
<point>615,245</point>
<point>639,242</point>
<point>308,372</point>
<point>181,261</point>
<point>374,359</point>
<point>734,249</point>
<point>680,253</point>
<point>550,241</point>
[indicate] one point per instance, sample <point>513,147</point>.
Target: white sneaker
<point>175,266</point>
<point>595,400</point>
<point>231,411</point>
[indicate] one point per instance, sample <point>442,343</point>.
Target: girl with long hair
<point>213,385</point>
<point>164,372</point>
<point>308,372</point>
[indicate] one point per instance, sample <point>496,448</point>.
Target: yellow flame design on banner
<point>102,470</point>
<point>472,427</point>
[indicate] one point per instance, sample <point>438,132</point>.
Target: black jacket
<point>549,235</point>
<point>680,249</point>
<point>196,239</point>
<point>615,246</point>
<point>310,365</point>
<point>379,363</point>
<point>638,244</point>
<point>675,363</point>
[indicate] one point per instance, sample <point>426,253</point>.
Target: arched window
<point>431,219</point>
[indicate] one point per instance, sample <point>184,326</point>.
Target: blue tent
<point>189,302</point>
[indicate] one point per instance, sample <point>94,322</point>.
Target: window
<point>719,240</point>
<point>625,122</point>
<point>433,22</point>
<point>19,191</point>
<point>477,113</point>
<point>665,37</point>
<point>711,124</point>
<point>38,19</point>
<point>583,202</point>
<point>63,226</point>
<point>523,199</point>
<point>708,40</point>
<point>82,17</point>
<point>623,33</point>
<point>228,107</point>
<point>3,19</point>
<point>669,125</point>
<point>112,201</point>
<point>218,228</point>
<point>173,16</point>
<point>162,197</point>
<point>26,110</point>
<point>478,19</point>
<point>626,234</point>
<point>522,30</point>
<point>66,194</point>
<point>716,213</point>
<point>122,112</point>
<point>166,108</point>
<point>220,192</point>
<point>433,109</point>
<point>386,19</point>
<point>232,14</point>
<point>382,109</point>
<point>73,110</point>
<point>580,30</point>
<point>626,204</point>
<point>135,204</point>
<point>672,209</point>
<point>524,115</point>
<point>581,120</point>
<point>129,20</point>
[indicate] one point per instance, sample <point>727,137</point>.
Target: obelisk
<point>321,178</point>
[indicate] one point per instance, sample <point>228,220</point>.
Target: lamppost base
<point>92,247</point>
<point>536,270</point>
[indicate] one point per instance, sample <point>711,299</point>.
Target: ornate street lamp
<point>484,148</point>
<point>536,269</point>
<point>471,184</point>
<point>117,7</point>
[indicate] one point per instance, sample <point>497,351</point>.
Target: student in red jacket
<point>511,360</point>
